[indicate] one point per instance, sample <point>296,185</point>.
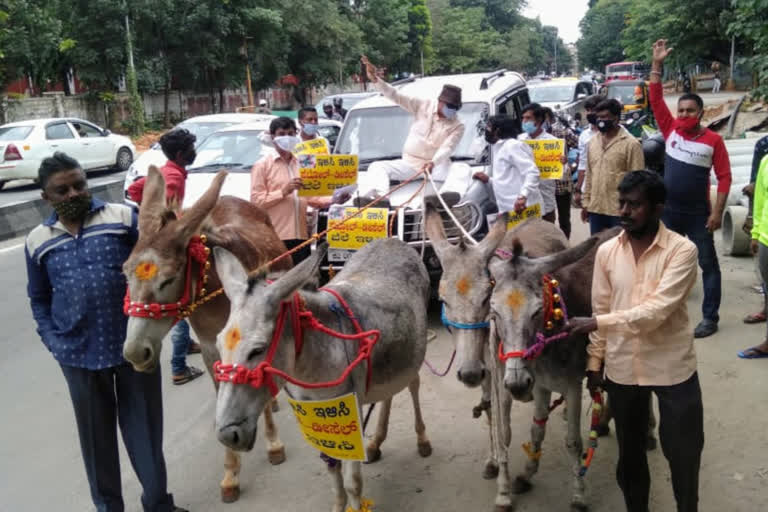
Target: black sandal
<point>190,373</point>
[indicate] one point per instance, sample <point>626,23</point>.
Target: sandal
<point>190,373</point>
<point>753,353</point>
<point>755,318</point>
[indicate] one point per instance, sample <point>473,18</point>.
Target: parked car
<point>565,96</point>
<point>201,127</point>
<point>376,129</point>
<point>24,144</point>
<point>350,99</point>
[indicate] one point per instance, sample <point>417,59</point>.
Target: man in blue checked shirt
<point>76,289</point>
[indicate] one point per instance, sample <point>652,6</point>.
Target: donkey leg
<point>337,482</point>
<point>541,399</point>
<point>650,443</point>
<point>275,448</point>
<point>574,444</point>
<point>230,485</point>
<point>491,468</point>
<point>502,434</point>
<point>423,444</point>
<point>373,450</point>
<point>353,483</point>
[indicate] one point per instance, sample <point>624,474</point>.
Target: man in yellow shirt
<point>641,342</point>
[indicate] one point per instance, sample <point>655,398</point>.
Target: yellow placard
<point>532,212</point>
<point>321,175</point>
<point>548,155</point>
<point>312,147</point>
<point>332,426</point>
<point>357,231</point>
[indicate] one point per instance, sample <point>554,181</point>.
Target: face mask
<point>309,129</point>
<point>606,125</point>
<point>529,127</point>
<point>592,118</point>
<point>73,209</point>
<point>286,142</point>
<point>449,113</point>
<point>688,124</point>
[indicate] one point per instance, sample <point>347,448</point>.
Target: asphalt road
<point>41,467</point>
<point>26,190</point>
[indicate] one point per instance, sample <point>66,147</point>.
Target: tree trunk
<point>166,102</point>
<point>221,99</point>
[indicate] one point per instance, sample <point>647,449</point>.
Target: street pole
<point>248,74</point>
<point>130,44</point>
<point>422,61</point>
<point>731,85</point>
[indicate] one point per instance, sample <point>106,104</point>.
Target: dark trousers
<point>301,254</point>
<point>102,399</point>
<point>681,431</point>
<point>564,213</point>
<point>181,341</point>
<point>695,228</point>
<point>599,222</point>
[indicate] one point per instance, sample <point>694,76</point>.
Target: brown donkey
<point>163,270</point>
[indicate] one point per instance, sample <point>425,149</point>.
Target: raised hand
<point>660,50</point>
<point>370,69</point>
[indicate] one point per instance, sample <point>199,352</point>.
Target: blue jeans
<point>695,228</point>
<point>181,341</point>
<point>599,222</point>
<point>102,399</point>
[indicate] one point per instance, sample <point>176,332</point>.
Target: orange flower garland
<point>146,270</point>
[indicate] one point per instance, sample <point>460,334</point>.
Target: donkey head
<point>247,337</point>
<point>517,306</point>
<point>157,267</point>
<point>465,289</point>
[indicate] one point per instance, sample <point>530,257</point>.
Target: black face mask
<point>606,125</point>
<point>592,118</point>
<point>73,209</point>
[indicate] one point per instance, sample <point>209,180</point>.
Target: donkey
<point>517,315</point>
<point>386,286</point>
<point>157,271</point>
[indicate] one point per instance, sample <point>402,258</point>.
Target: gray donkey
<point>387,287</point>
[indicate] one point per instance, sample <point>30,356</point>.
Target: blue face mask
<point>529,127</point>
<point>310,129</point>
<point>449,113</point>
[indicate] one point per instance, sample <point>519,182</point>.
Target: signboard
<point>532,212</point>
<point>548,155</point>
<point>332,426</point>
<point>321,175</point>
<point>317,146</point>
<point>357,231</point>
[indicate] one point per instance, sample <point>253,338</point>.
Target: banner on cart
<point>357,231</point>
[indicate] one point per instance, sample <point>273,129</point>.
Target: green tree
<point>601,26</point>
<point>385,27</point>
<point>419,35</point>
<point>749,23</point>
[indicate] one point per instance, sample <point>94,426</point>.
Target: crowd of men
<point>641,338</point>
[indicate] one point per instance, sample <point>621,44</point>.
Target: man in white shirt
<point>533,120</point>
<point>434,135</point>
<point>584,138</point>
<point>515,178</point>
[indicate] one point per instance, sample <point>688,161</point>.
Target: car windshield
<point>552,94</point>
<point>620,68</point>
<point>15,132</point>
<point>625,93</point>
<point>239,149</point>
<point>201,130</point>
<point>349,102</point>
<point>379,133</point>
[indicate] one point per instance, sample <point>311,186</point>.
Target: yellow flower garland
<point>146,270</point>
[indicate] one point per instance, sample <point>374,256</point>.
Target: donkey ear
<point>436,232</point>
<point>193,218</point>
<point>548,264</point>
<point>233,276</point>
<point>152,203</point>
<point>494,237</point>
<point>284,287</point>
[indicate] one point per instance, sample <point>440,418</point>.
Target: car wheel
<point>124,159</point>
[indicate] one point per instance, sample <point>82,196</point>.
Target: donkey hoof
<point>579,507</point>
<point>602,430</point>
<point>275,406</point>
<point>276,456</point>
<point>650,443</point>
<point>425,449</point>
<point>230,494</point>
<point>490,471</point>
<point>521,485</point>
<point>374,455</point>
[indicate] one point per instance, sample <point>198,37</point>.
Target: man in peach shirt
<point>642,342</point>
<point>274,184</point>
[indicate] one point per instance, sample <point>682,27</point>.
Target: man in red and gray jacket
<point>179,146</point>
<point>691,152</point>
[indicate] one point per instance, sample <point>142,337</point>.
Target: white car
<point>24,144</point>
<point>565,96</point>
<point>201,127</point>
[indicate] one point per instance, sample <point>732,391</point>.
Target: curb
<point>18,219</point>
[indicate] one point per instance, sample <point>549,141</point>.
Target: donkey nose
<point>141,356</point>
<point>471,375</point>
<point>520,385</point>
<point>232,435</point>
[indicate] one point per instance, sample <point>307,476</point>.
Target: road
<point>26,190</point>
<point>41,466</point>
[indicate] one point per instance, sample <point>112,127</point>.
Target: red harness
<point>262,374</point>
<point>196,252</point>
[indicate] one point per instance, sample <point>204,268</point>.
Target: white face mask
<point>286,142</point>
<point>309,129</point>
<point>449,113</point>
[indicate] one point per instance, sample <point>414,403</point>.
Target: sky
<point>563,14</point>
